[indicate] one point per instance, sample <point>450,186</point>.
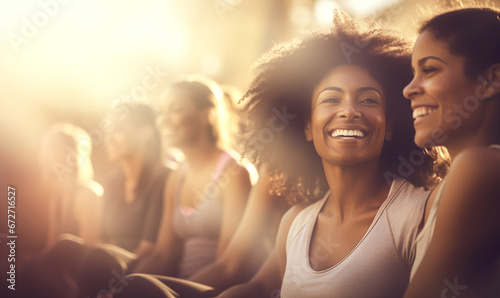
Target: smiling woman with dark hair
<point>455,95</point>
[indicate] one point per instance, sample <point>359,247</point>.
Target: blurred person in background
<point>250,246</point>
<point>133,198</point>
<point>206,196</point>
<point>133,194</point>
<point>129,217</point>
<point>74,202</point>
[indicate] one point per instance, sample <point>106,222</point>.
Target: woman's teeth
<point>347,133</point>
<point>423,111</point>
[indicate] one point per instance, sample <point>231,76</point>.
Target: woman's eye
<point>331,100</point>
<point>428,70</point>
<point>369,100</point>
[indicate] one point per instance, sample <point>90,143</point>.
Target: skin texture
<point>187,127</point>
<point>352,168</point>
<point>465,242</point>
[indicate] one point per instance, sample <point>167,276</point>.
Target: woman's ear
<point>492,75</point>
<point>388,129</point>
<point>307,131</point>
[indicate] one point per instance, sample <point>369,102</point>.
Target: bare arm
<point>268,280</point>
<point>51,224</point>
<point>235,197</point>
<point>153,217</point>
<point>89,211</point>
<point>246,250</point>
<point>467,227</point>
<point>144,248</point>
<point>168,249</point>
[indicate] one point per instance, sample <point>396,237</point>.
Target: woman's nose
<point>350,111</point>
<point>412,89</point>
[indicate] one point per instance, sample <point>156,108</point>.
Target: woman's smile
<point>348,112</point>
<point>438,91</point>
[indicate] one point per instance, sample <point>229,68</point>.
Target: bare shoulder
<point>473,180</point>
<point>479,154</point>
<point>292,213</point>
<point>88,200</point>
<point>234,168</point>
<point>173,177</point>
<point>235,176</point>
<point>478,165</point>
<point>89,193</point>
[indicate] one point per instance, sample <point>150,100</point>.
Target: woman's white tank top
<point>379,266</point>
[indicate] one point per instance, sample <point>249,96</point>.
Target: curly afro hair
<point>278,104</point>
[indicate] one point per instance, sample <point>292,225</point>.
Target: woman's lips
<point>422,111</point>
<point>347,133</point>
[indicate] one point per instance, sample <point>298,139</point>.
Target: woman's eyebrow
<point>423,60</point>
<point>362,89</point>
<point>332,88</point>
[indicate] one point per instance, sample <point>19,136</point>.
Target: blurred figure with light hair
<point>74,202</point>
<point>74,197</point>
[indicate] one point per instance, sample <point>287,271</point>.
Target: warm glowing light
<point>323,11</point>
<point>210,64</point>
<point>362,8</point>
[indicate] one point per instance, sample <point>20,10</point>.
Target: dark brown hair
<point>473,33</point>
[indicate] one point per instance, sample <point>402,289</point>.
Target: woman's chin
<point>424,139</point>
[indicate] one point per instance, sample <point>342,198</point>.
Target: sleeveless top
<point>425,236</point>
<point>126,224</point>
<point>380,264</point>
<point>199,227</point>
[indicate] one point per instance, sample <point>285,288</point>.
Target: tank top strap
<point>180,182</point>
<point>221,165</point>
<point>437,200</point>
<point>219,169</point>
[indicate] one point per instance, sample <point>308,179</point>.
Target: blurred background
<point>71,60</point>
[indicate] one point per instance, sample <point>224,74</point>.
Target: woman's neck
<point>132,167</point>
<point>355,189</point>
<point>67,188</point>
<point>485,135</point>
<point>199,155</point>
